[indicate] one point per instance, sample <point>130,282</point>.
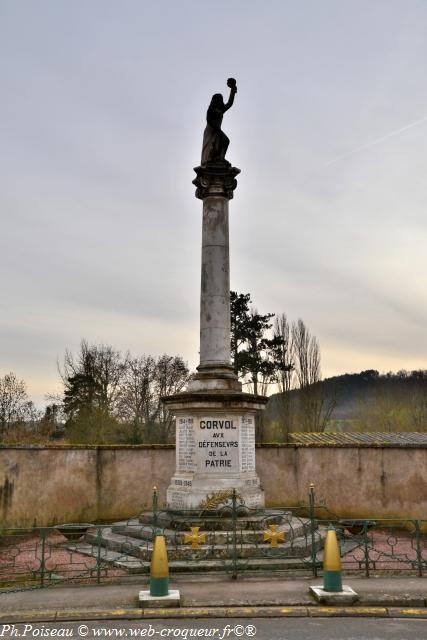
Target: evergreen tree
<point>257,355</point>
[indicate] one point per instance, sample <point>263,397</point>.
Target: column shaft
<point>215,284</point>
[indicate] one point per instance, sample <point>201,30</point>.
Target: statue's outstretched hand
<point>231,82</point>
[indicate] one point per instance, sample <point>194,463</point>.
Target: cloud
<point>368,145</point>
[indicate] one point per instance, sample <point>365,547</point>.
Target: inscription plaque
<point>218,444</point>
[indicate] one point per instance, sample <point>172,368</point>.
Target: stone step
<point>142,549</point>
<point>134,566</point>
<point>109,557</point>
<point>134,529</point>
<point>249,564</point>
<point>117,542</point>
<point>183,521</point>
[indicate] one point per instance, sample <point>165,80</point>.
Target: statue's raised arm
<point>233,90</point>
<point>215,142</point>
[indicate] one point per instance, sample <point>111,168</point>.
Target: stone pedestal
<point>215,421</point>
<point>215,449</point>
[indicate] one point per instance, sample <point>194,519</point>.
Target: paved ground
<point>395,592</point>
<point>226,629</point>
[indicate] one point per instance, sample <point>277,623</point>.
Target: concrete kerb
<point>390,597</point>
<point>212,613</point>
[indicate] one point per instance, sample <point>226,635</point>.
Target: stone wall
<point>47,485</point>
<point>355,481</point>
<point>60,483</point>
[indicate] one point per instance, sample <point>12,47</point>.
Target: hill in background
<point>366,401</point>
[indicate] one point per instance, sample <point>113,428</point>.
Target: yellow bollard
<point>332,571</point>
<point>159,569</point>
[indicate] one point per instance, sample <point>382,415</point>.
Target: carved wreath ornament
<point>217,499</point>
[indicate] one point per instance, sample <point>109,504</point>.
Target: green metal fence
<point>231,538</point>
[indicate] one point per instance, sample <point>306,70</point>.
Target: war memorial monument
<point>215,419</point>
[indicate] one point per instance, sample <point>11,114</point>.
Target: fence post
<point>234,533</point>
<point>419,550</point>
<point>155,508</point>
<point>312,503</point>
<point>366,548</point>
<point>98,554</point>
<point>43,559</point>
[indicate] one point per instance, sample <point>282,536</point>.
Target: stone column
<point>215,285</point>
<point>215,184</point>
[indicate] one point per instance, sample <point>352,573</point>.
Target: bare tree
<point>136,403</point>
<point>314,369</point>
<point>285,372</point>
<point>109,397</point>
<point>172,375</point>
<point>301,340</point>
<point>146,381</point>
<point>14,403</point>
<point>315,408</point>
<point>285,363</point>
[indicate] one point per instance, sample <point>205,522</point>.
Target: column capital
<point>215,179</point>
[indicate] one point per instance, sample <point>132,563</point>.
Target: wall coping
<point>341,445</point>
<point>86,446</point>
<point>259,445</point>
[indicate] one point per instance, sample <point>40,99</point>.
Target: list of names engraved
<point>247,443</point>
<point>186,444</point>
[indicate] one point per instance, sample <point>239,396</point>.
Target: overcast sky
<point>102,114</point>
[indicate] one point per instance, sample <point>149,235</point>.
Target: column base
<point>215,377</point>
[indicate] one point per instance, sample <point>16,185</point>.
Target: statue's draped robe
<point>215,142</point>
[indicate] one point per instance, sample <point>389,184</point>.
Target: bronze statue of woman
<point>215,142</point>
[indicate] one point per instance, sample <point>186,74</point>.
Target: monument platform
<point>258,541</point>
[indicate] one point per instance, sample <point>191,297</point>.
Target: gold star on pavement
<point>195,538</point>
<point>273,535</point>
